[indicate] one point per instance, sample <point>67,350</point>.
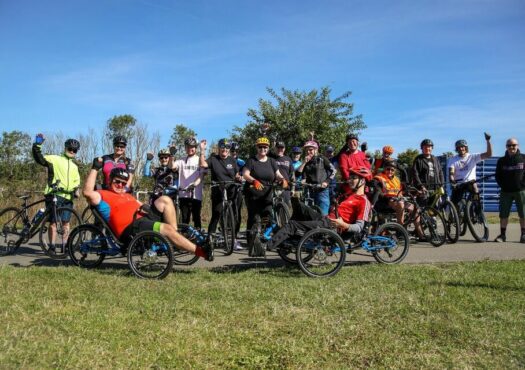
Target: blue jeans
<point>322,199</point>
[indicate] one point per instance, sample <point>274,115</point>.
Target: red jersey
<point>347,161</point>
<point>353,208</point>
<point>117,209</point>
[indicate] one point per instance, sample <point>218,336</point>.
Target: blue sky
<point>438,69</point>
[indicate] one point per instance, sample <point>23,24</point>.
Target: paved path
<point>465,250</point>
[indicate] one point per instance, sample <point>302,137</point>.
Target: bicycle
<point>227,223</point>
<point>441,201</point>
<point>470,211</point>
<point>307,197</point>
<point>17,227</point>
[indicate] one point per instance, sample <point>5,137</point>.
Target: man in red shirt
<point>351,157</point>
<point>126,215</point>
<point>353,212</point>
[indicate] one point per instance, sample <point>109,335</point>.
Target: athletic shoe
<point>237,246</point>
<point>208,248</point>
<point>501,239</point>
<point>522,239</point>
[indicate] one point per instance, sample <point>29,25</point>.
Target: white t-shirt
<point>190,171</point>
<point>464,167</point>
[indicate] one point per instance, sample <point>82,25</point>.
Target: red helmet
<point>361,171</point>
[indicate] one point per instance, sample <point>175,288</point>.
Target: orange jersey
<point>118,209</point>
<point>391,187</point>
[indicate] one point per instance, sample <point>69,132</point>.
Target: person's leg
<point>216,209</point>
<point>322,199</point>
<point>291,228</point>
<point>165,206</point>
<point>196,206</point>
<point>185,207</point>
<point>520,205</point>
<point>398,207</point>
<point>505,204</point>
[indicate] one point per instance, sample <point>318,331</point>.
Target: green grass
<point>467,315</point>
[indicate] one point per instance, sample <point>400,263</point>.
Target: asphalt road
<point>465,250</point>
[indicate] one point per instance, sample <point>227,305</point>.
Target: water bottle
<point>268,231</point>
<point>38,215</point>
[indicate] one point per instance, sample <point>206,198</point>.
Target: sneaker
<point>502,238</point>
<point>522,239</point>
<point>210,254</point>
<point>237,246</point>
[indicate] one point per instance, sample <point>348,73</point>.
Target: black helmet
<point>461,143</point>
<point>72,144</point>
<point>120,173</point>
<point>352,136</point>
<point>119,139</point>
<point>426,142</point>
<point>234,146</point>
<point>190,141</point>
<point>389,163</point>
<point>224,143</point>
<point>280,144</point>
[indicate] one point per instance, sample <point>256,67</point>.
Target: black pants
<point>257,206</point>
<point>237,209</point>
<point>191,207</point>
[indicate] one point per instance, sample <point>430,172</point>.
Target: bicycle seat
<point>24,197</point>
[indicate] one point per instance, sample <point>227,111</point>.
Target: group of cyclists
<point>350,174</point>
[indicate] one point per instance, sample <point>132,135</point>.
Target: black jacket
<point>509,172</point>
<point>420,172</point>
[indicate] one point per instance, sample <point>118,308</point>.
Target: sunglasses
<point>120,182</point>
<point>225,146</point>
<point>390,169</point>
<point>72,150</point>
<point>353,177</point>
<point>120,146</point>
<point>512,145</point>
<point>262,147</point>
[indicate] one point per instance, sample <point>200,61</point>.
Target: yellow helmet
<point>262,141</point>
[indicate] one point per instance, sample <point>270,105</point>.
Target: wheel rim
<point>149,256</point>
<point>11,228</point>
<point>395,241</point>
<point>321,254</point>
<point>85,246</point>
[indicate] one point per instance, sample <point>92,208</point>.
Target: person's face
<point>191,150</point>
<point>118,185</point>
<point>233,154</point>
<point>390,172</point>
<point>352,144</point>
<point>262,150</point>
<point>164,159</point>
<point>427,150</point>
<point>280,150</point>
<point>296,156</point>
<point>462,150</point>
<point>120,149</point>
<point>224,151</point>
<point>71,152</point>
<point>512,146</point>
<point>353,182</point>
<point>329,154</point>
<point>311,151</point>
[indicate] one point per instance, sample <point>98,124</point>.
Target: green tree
<point>181,133</point>
<point>121,125</point>
<point>407,157</point>
<point>292,115</point>
<point>15,150</point>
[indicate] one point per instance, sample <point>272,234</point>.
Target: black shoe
<point>210,254</point>
<point>258,249</point>
<point>522,239</point>
<point>502,238</point>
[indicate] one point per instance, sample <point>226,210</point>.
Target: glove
<point>97,163</point>
<point>487,136</point>
<point>173,150</point>
<point>39,139</point>
<point>285,184</point>
<point>364,146</point>
<point>258,185</point>
<point>149,156</point>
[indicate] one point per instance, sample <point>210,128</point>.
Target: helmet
<point>297,150</point>
<point>329,149</point>
<point>72,143</point>
<point>362,171</point>
<point>426,142</point>
<point>190,141</point>
<point>461,143</point>
<point>119,139</point>
<point>389,163</point>
<point>120,173</point>
<point>262,141</point>
<point>352,136</point>
<point>234,146</point>
<point>224,143</point>
<point>312,144</point>
<point>164,152</point>
<point>280,144</point>
<point>388,149</point>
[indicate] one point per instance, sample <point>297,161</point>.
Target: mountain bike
<point>17,227</point>
<point>225,237</point>
<point>441,201</point>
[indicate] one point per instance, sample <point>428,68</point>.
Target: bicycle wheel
<point>462,206</point>
<point>227,230</point>
<point>321,253</point>
<point>476,221</point>
<point>53,241</point>
<point>394,242</point>
<point>180,256</point>
<point>282,214</point>
<point>85,245</point>
<point>433,226</point>
<point>150,255</point>
<point>12,230</point>
<point>450,215</point>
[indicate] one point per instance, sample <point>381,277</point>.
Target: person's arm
<point>202,158</point>
<point>330,169</point>
<point>147,166</point>
<point>36,150</point>
<point>440,176</point>
<point>488,152</point>
<point>451,172</point>
<point>344,167</point>
<point>499,172</point>
<point>416,180</point>
<point>93,197</point>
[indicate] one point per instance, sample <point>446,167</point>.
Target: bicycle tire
<point>11,227</point>
<point>180,256</point>
<point>62,233</point>
<point>321,253</point>
<point>433,226</point>
<point>87,216</point>
<point>450,215</point>
<point>227,229</point>
<point>87,256</point>
<point>462,205</point>
<point>476,221</point>
<point>392,255</point>
<point>150,255</point>
<point>282,214</point>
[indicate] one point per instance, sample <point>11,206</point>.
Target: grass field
<point>468,315</point>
